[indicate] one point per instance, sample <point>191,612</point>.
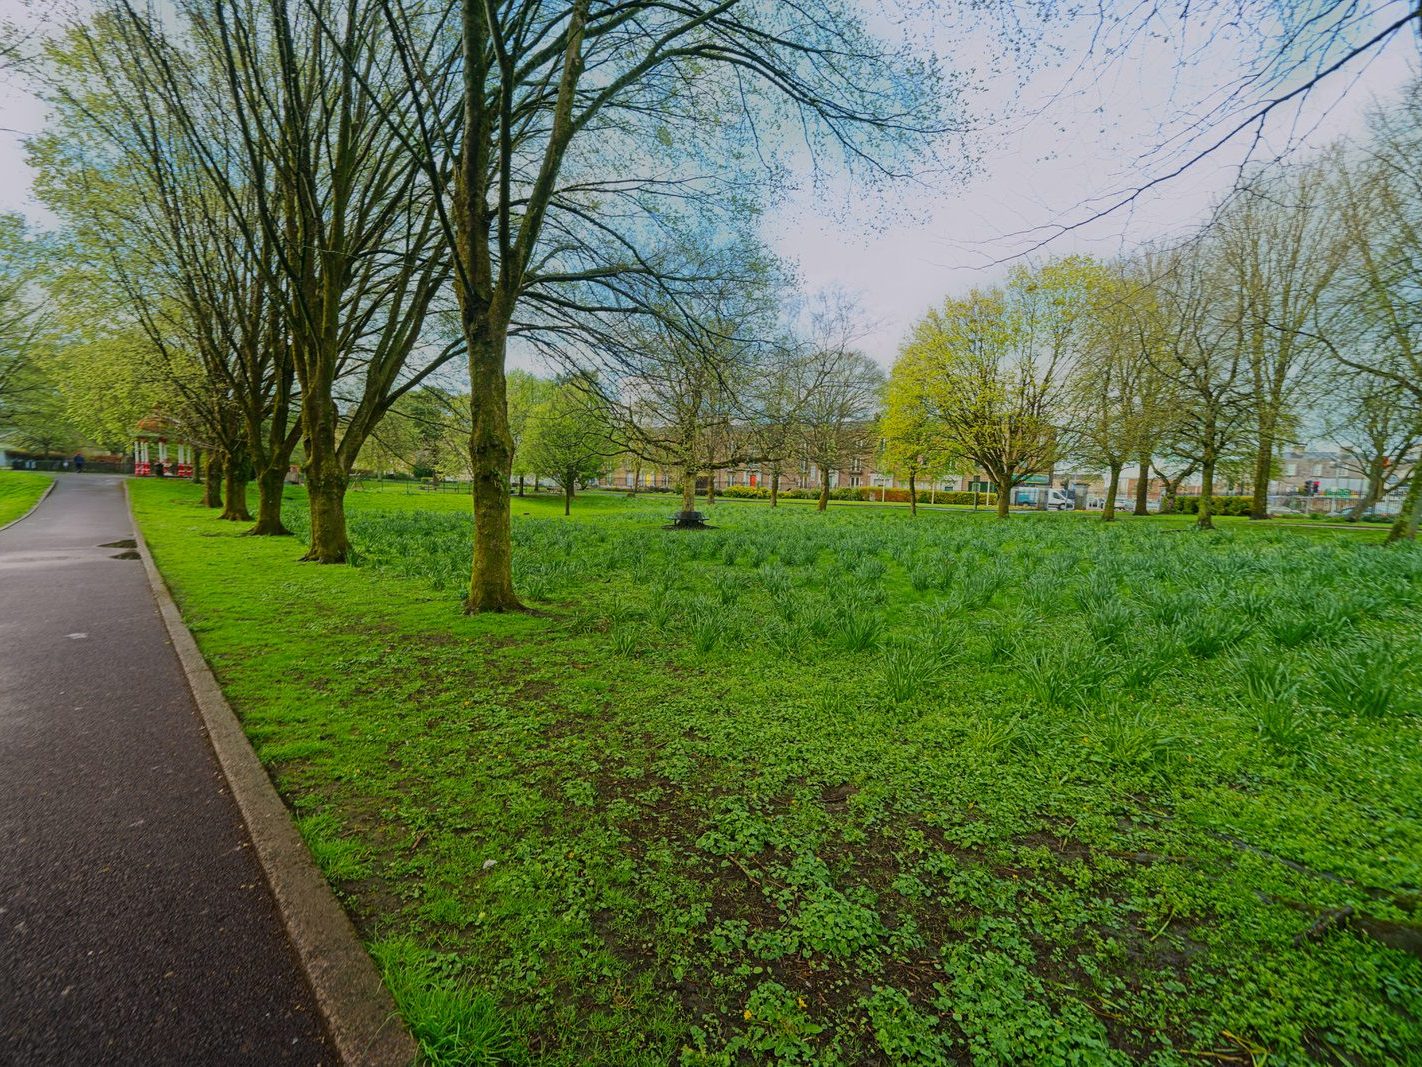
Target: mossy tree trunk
<point>270,485</point>
<point>326,480</point>
<point>1263,466</point>
<point>1206,520</point>
<point>688,491</point>
<point>234,490</point>
<point>491,450</point>
<point>1143,486</point>
<point>1405,527</point>
<point>1108,512</point>
<point>1374,491</point>
<point>212,482</point>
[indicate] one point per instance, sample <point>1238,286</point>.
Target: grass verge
<point>18,492</point>
<point>853,787</point>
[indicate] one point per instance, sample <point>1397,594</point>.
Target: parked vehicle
<point>1036,496</point>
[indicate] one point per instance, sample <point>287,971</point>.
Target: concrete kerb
<point>359,1014</point>
<point>47,490</point>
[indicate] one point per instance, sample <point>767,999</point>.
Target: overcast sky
<point>1052,133</point>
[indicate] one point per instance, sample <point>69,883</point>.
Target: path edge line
<point>49,489</point>
<point>360,1015</point>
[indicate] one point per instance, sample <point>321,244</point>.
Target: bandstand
<point>151,443</point>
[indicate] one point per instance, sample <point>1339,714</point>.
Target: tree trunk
<point>520,485</point>
<point>1405,528</point>
<point>774,488</point>
<point>1206,521</point>
<point>568,497</point>
<point>711,488</point>
<point>1143,487</point>
<point>1108,513</point>
<point>234,492</point>
<point>1168,494</point>
<point>197,467</point>
<point>491,449</point>
<point>212,484</point>
<point>326,479</point>
<point>688,492</point>
<point>913,495</point>
<point>326,495</point>
<point>1373,494</point>
<point>270,484</point>
<point>824,493</point>
<point>1263,461</point>
<point>1004,496</point>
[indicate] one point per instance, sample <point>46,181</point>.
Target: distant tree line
<point>1291,315</point>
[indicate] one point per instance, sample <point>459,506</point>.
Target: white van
<point>1036,496</point>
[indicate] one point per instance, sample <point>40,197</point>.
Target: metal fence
<point>98,466</point>
<point>1297,504</point>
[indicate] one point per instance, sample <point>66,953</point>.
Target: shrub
<point>746,492</point>
<point>986,500</point>
<point>867,493</point>
<point>1219,505</point>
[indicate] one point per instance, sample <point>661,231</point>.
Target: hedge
<point>860,492</point>
<point>1219,505</point>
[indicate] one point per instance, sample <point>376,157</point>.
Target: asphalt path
<point>135,924</point>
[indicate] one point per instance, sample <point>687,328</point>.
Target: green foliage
<point>907,671</point>
<point>19,491</point>
<point>1219,505</point>
<point>454,1026</point>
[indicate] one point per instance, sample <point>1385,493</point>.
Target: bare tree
<point>1378,428</point>
<point>576,128</point>
<point>839,393</point>
<point>681,384</point>
<point>1288,55</point>
<point>1202,354</point>
<point>1277,245</point>
<point>1372,327</point>
<point>276,105</point>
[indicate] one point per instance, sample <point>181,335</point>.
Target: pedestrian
<point>78,463</point>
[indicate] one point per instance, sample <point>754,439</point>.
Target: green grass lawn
<point>845,788</point>
<point>18,492</point>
